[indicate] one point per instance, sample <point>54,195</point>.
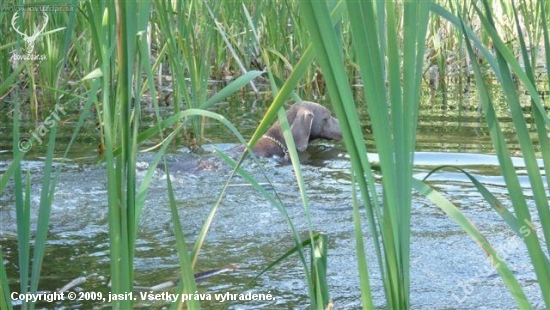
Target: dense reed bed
<point>109,61</point>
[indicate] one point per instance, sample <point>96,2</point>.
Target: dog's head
<point>310,121</point>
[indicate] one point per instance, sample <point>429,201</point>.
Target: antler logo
<point>29,39</point>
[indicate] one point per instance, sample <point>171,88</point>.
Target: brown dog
<point>308,121</point>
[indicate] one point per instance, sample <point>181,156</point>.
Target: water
<point>448,270</point>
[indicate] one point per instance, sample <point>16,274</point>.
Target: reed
<point>392,96</point>
<point>113,55</point>
<point>503,65</point>
<point>30,269</point>
<point>120,126</point>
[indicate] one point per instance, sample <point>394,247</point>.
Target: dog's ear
<point>301,128</point>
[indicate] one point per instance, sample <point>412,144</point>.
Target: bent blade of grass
<point>518,227</point>
<point>316,279</point>
<point>505,58</point>
<point>274,110</point>
<point>267,120</point>
<point>456,215</point>
<point>506,215</point>
<point>276,203</point>
<point>230,89</point>
<point>316,297</point>
<point>186,263</point>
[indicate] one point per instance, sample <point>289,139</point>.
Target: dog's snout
<point>335,130</point>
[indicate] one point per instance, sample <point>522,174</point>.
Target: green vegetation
<point>110,57</point>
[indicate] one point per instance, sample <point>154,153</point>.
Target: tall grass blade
<point>501,66</point>
<point>362,264</point>
<point>120,128</point>
<point>5,296</point>
<point>188,285</point>
<point>393,131</point>
<point>50,72</point>
<point>22,205</point>
<point>319,263</point>
<point>330,58</point>
<point>44,211</point>
<point>544,144</point>
<point>542,269</point>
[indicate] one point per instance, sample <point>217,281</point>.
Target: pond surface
<point>448,270</point>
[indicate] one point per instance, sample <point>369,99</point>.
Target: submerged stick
<point>173,283</point>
